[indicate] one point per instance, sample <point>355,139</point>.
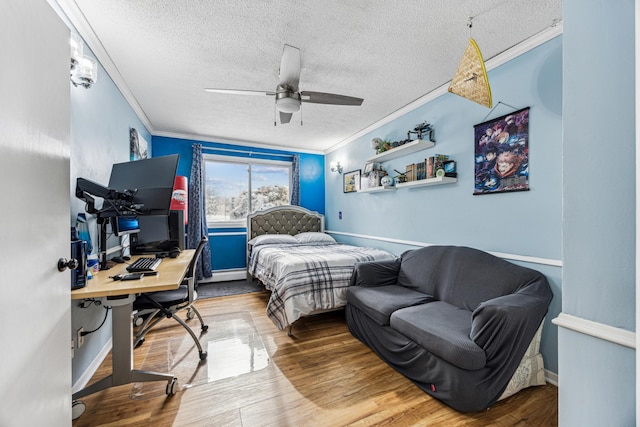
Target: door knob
<point>64,263</point>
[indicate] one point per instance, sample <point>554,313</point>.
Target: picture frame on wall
<point>138,146</point>
<point>502,154</point>
<point>351,181</point>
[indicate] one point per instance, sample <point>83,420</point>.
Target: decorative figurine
<point>386,180</point>
<point>421,129</point>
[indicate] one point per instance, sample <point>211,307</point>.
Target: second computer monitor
<point>159,233</point>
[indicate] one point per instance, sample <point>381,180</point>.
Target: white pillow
<point>272,239</point>
<point>314,237</point>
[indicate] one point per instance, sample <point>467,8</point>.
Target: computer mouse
<point>117,259</point>
<point>174,252</point>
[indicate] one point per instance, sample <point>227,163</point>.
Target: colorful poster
<point>502,154</point>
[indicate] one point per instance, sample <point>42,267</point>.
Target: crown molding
<point>76,19</point>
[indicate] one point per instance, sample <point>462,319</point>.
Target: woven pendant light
<point>471,81</point>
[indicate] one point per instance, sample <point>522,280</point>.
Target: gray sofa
<point>454,320</point>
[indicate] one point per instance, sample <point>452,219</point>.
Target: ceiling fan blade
<point>329,98</point>
<point>290,67</point>
<point>285,117</point>
<point>240,92</point>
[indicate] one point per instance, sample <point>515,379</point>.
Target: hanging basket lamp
<point>471,81</point>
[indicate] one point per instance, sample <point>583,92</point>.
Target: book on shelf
<point>411,172</point>
<point>431,172</point>
<point>420,171</point>
<point>439,161</point>
<point>436,163</point>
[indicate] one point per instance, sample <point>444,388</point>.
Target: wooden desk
<point>171,273</point>
<point>119,295</point>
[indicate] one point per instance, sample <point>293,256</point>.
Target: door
<point>35,305</point>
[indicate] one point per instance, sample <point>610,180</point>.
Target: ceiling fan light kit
<point>287,95</point>
<point>288,102</point>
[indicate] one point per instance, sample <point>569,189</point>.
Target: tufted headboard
<point>283,220</point>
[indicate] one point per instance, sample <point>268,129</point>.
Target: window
<point>230,180</point>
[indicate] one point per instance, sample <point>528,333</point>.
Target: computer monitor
<point>159,233</point>
<point>122,225</point>
<point>152,181</point>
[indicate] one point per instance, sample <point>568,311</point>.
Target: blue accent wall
<point>228,246</point>
<point>597,382</point>
<point>525,223</point>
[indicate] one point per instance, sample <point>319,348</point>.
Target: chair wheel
<point>205,328</point>
<point>77,409</point>
<point>172,387</point>
<point>138,320</point>
<point>190,314</point>
<point>139,343</point>
<point>203,355</point>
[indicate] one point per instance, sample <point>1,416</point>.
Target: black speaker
<point>79,253</point>
<point>176,228</point>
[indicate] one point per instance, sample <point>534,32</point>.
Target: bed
<point>305,269</point>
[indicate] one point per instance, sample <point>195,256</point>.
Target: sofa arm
<point>505,325</point>
<point>375,273</point>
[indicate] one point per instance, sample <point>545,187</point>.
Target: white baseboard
<point>92,368</point>
<point>551,377</point>
<point>226,275</point>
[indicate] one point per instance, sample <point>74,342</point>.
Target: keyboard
<point>144,264</point>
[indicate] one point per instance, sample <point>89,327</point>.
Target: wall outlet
<point>80,337</point>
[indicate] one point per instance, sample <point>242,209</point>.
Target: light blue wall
<point>597,378</point>
<point>229,251</point>
<point>522,223</point>
<point>100,122</point>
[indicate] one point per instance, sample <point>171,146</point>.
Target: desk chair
<point>169,303</point>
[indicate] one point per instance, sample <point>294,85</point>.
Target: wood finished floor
<point>322,377</point>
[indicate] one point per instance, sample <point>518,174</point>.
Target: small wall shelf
<point>427,182</point>
<point>403,150</point>
<point>378,189</point>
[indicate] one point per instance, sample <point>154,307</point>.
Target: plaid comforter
<point>304,279</point>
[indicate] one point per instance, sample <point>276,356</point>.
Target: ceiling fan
<point>287,95</point>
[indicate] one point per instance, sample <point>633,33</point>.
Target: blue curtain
<point>197,216</point>
<point>295,178</point>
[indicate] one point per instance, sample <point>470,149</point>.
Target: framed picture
<point>502,154</point>
<point>138,146</point>
<point>351,181</point>
<point>368,168</point>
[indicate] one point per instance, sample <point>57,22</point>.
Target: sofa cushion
<point>461,276</point>
<point>379,302</point>
<point>442,329</point>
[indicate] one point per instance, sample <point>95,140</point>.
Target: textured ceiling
<point>163,53</point>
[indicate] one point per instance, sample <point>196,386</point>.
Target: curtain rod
<point>250,153</point>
